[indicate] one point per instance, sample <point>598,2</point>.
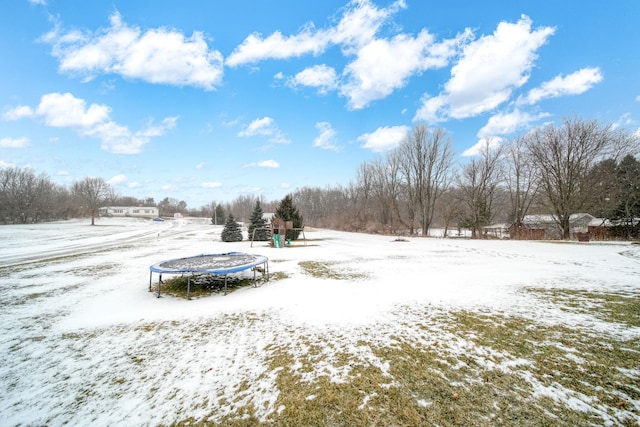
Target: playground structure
<point>216,264</point>
<point>278,231</point>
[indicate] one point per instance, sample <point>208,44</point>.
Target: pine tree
<point>258,223</point>
<point>231,231</point>
<point>287,211</point>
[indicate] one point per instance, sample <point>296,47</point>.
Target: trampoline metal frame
<point>262,260</point>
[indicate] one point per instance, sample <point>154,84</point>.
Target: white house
<point>136,211</point>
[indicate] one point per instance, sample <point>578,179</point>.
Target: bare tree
<point>565,155</point>
<point>24,196</point>
<point>385,189</point>
<point>521,179</point>
<point>365,176</point>
<point>93,192</point>
<point>449,208</point>
<point>426,159</point>
<point>479,186</point>
<point>242,206</point>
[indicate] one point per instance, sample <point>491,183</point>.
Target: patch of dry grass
<point>458,368</point>
<point>327,270</point>
<point>609,306</point>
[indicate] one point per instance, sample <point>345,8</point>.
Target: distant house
<point>546,227</point>
<point>134,211</point>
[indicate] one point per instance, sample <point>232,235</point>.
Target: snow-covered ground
<point>83,340</point>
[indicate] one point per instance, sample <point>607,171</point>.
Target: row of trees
<point>26,197</point>
<point>576,166</point>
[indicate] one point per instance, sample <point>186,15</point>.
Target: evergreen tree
<point>231,231</point>
<point>628,208</point>
<point>287,211</point>
<point>258,223</point>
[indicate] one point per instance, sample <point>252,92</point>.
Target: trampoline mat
<point>231,262</point>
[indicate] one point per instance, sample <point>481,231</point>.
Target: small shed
<point>523,231</point>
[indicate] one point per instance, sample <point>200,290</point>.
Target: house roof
<point>551,219</point>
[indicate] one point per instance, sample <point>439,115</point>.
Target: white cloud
<point>431,108</point>
<point>271,164</point>
<point>67,111</point>
<point>158,55</point>
<point>507,123</point>
<point>211,184</point>
<point>18,113</point>
<point>327,138</point>
<point>14,142</point>
<point>264,126</point>
<point>384,138</point>
<point>624,120</point>
<point>488,71</point>
<point>120,140</point>
<point>200,165</point>
<point>572,84</point>
<point>481,145</point>
<point>322,77</point>
<point>276,46</point>
<point>358,25</point>
<point>134,184</point>
<point>118,179</point>
<point>382,65</point>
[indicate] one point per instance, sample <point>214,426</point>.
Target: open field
<point>352,330</point>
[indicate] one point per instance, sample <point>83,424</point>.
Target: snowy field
<point>84,342</point>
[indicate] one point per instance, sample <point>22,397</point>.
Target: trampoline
<point>217,264</point>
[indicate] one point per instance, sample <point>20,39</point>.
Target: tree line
<point>560,170</point>
<point>27,197</point>
<point>575,166</point>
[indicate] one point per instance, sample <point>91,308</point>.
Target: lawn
<point>353,329</point>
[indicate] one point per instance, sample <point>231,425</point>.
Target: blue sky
<point>205,101</point>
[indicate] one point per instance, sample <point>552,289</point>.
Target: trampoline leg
<point>188,287</point>
<point>225,284</point>
<point>159,282</point>
<point>150,278</point>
